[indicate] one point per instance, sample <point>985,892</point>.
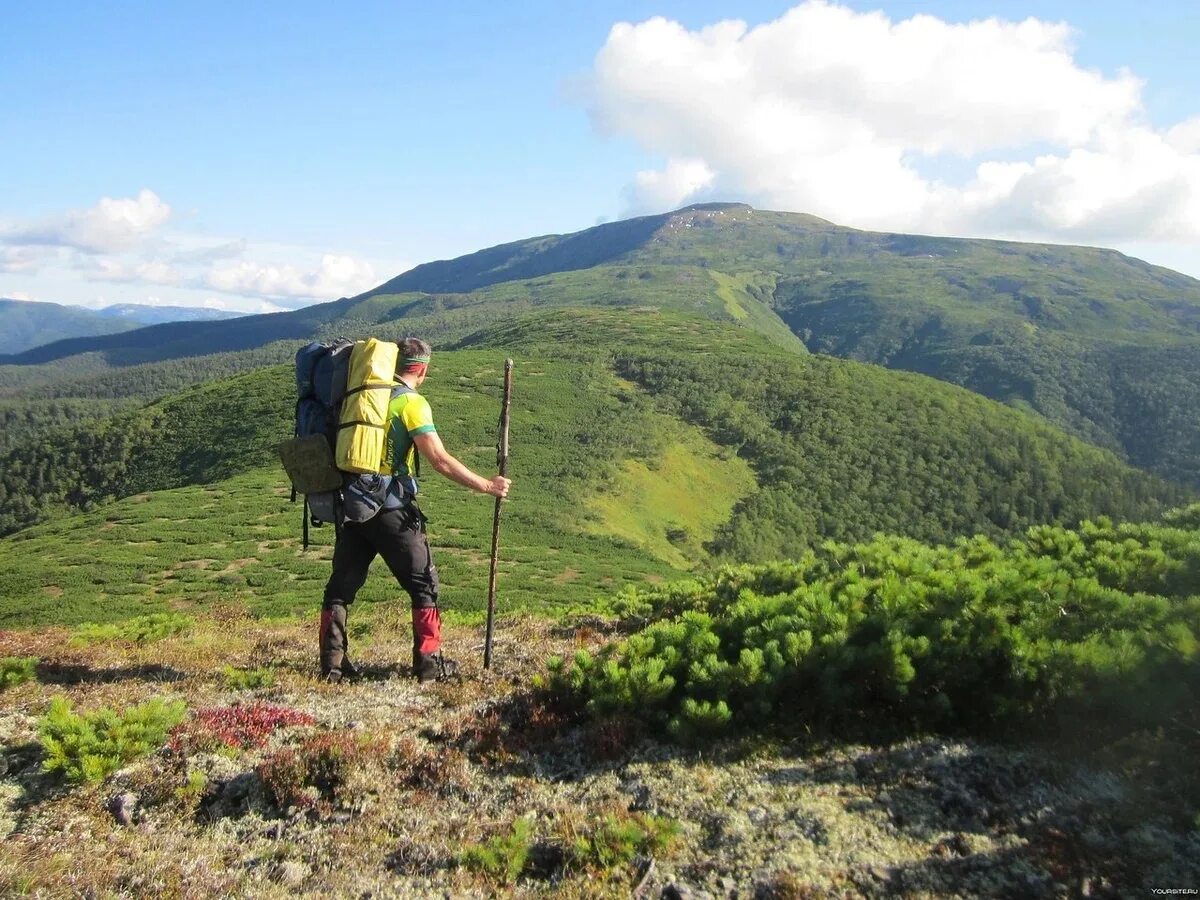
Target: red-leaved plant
<point>239,726</point>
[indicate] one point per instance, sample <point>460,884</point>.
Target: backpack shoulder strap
<point>398,390</point>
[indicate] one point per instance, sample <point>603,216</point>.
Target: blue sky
<point>292,152</point>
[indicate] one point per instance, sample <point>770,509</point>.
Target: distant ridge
<point>528,258</point>
<point>145,314</point>
<point>26,324</point>
<point>173,340</point>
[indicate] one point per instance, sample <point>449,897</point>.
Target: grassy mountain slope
<point>644,443</point>
<point>233,534</point>
<point>26,325</point>
<point>1049,328</point>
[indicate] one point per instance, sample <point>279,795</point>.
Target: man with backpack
<point>379,516</point>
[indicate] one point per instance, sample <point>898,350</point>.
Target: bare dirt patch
<point>566,575</point>
<point>238,564</point>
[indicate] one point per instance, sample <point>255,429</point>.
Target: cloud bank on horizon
<point>128,241</point>
<point>859,119</point>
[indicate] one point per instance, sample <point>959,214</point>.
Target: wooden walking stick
<point>502,463</point>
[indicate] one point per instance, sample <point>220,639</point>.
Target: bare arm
<point>429,445</point>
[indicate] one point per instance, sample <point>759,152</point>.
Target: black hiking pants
<point>398,535</point>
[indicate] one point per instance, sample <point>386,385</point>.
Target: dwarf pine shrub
<point>140,630</point>
<point>1098,624</point>
<point>16,670</point>
<point>189,794</point>
<point>248,679</point>
<point>89,746</point>
<point>597,846</point>
<point>502,857</point>
<point>617,841</point>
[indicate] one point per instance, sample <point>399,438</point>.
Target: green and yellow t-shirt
<point>409,415</point>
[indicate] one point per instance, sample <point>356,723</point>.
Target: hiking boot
<point>347,673</point>
<point>334,662</point>
<point>429,667</point>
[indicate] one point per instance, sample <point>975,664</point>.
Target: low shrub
<point>596,847</point>
<point>617,840</point>
<point>248,679</point>
<point>192,791</point>
<point>501,858</point>
<point>320,768</point>
<point>1095,625</point>
<point>16,670</point>
<point>140,630</point>
<point>237,727</point>
<point>443,771</point>
<point>89,746</point>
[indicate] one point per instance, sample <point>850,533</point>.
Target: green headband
<point>414,360</point>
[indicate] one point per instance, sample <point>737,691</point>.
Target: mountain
<point>156,315</point>
<point>173,340</point>
<point>26,325</point>
<point>1105,346</point>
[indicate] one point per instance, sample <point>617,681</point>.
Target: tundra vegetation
<point>882,717</point>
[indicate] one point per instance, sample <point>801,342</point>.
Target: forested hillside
<point>1051,329</point>
<point>837,449</point>
<point>843,450</point>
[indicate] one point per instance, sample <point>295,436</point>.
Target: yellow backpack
<point>363,418</point>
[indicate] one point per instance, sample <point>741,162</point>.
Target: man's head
<point>413,363</point>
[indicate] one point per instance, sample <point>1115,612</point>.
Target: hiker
<point>380,516</point>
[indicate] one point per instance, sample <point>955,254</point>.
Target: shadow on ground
<point>74,673</point>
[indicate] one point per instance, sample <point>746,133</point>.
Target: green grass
<point>673,503</point>
<point>239,542</point>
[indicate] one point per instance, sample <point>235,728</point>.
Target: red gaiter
<point>427,630</point>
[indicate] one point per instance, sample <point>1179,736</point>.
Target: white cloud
<point>682,178</point>
<point>20,295</point>
<point>22,259</point>
<point>1185,137</point>
<point>148,272</point>
<point>112,225</point>
<point>210,252</point>
<point>337,276</point>
<point>844,114</point>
